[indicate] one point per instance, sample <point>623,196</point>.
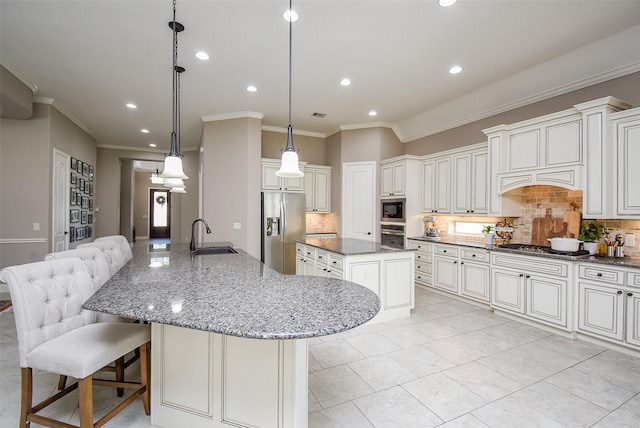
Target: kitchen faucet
<point>192,244</point>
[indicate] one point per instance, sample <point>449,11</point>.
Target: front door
<point>159,213</point>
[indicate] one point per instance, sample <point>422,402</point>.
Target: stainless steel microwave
<point>393,209</point>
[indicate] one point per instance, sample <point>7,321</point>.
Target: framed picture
<point>79,233</point>
<point>74,216</point>
<point>90,173</point>
<point>74,178</point>
<point>81,181</point>
<point>90,219</point>
<point>85,202</point>
<point>72,199</point>
<point>79,167</point>
<point>88,232</point>
<point>78,198</point>
<point>85,169</point>
<point>84,217</point>
<point>90,189</point>
<point>74,163</point>
<point>90,204</point>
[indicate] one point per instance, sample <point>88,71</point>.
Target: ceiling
<point>90,58</point>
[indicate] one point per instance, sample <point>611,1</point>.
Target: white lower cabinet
<point>423,265</point>
<point>609,303</point>
<point>390,275</point>
<point>474,280</point>
<point>534,287</point>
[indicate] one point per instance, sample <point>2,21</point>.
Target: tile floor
<point>452,364</point>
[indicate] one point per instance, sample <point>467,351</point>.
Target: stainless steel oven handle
<point>391,232</point>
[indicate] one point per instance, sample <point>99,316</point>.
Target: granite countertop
<point>628,262</point>
<point>350,246</point>
<point>233,294</point>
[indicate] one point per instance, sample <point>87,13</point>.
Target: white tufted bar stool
<point>98,269</point>
<point>55,335</point>
<point>122,241</point>
<point>112,253</point>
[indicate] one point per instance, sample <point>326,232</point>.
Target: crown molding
<point>143,149</point>
<point>295,132</point>
<point>229,116</point>
<point>19,74</point>
<point>64,112</point>
<point>356,126</point>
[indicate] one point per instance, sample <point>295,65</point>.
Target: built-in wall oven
<point>392,235</point>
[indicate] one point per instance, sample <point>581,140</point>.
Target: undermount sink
<point>215,250</point>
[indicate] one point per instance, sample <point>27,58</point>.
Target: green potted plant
<point>590,234</point>
<point>488,234</point>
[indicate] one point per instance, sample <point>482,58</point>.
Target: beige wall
<point>311,149</point>
<point>231,175</point>
<point>626,88</point>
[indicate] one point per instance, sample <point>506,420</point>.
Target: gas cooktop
<point>528,248</point>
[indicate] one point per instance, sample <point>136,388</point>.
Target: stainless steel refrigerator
<point>283,221</point>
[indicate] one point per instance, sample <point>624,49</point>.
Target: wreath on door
<point>161,200</point>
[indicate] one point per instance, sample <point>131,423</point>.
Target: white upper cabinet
<point>627,145</point>
<point>470,176</point>
<point>436,185</point>
<point>270,181</point>
<point>317,183</point>
<point>392,181</point>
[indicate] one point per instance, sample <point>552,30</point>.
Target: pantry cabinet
<point>270,181</point>
<point>317,188</point>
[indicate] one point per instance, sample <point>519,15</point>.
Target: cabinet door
<point>524,149</point>
<point>547,299</point>
<point>628,146</point>
<point>322,188</point>
<point>397,271</point>
<point>397,188</point>
<point>443,186</point>
<point>600,310</point>
<point>270,181</point>
<point>462,184</point>
<point>309,267</point>
<point>474,280</point>
<point>563,143</point>
<point>309,191</point>
<point>299,265</point>
<point>445,273</point>
<point>293,184</point>
<point>386,180</point>
<point>428,186</point>
<point>479,183</point>
<point>507,290</point>
<point>633,318</point>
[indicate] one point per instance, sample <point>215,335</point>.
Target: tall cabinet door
<point>358,201</point>
<point>633,318</point>
<point>628,145</point>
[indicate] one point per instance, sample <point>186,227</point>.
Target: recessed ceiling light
<point>373,113</point>
<point>290,16</point>
<point>345,82</point>
<point>144,130</point>
<point>152,145</point>
<point>202,55</point>
<point>446,3</point>
<point>132,105</point>
<point>455,69</point>
<point>251,88</point>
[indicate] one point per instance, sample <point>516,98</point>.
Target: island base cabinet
<point>633,321</point>
<point>202,379</point>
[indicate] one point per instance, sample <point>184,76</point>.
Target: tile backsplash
<point>535,201</point>
<point>321,223</point>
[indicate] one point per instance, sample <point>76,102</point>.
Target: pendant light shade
<point>173,161</point>
<point>289,166</point>
<point>173,182</point>
<point>178,190</point>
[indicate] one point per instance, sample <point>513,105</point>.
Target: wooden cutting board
<point>545,227</point>
<point>573,219</point>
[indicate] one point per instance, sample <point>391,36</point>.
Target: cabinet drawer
<point>633,279</point>
<point>601,274</point>
<point>310,253</point>
<point>531,264</point>
<point>322,257</point>
<point>420,246</point>
<point>423,267</point>
<point>445,250</point>
<point>336,262</point>
<point>424,278</point>
<point>301,250</point>
<point>423,257</point>
<point>475,255</point>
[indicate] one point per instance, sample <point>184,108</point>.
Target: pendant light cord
<point>174,150</point>
<point>290,54</point>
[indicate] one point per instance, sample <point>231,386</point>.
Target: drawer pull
<point>599,274</point>
<point>521,275</point>
<point>619,292</point>
<point>444,251</point>
<point>630,294</point>
<point>473,255</point>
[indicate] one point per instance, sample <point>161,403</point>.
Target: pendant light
<point>289,166</point>
<point>173,161</point>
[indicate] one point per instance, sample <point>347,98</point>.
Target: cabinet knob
<point>455,263</point>
<point>527,276</point>
<point>473,255</point>
<point>599,274</point>
<point>630,294</point>
<point>473,211</point>
<point>368,233</point>
<point>334,262</point>
<point>619,292</point>
<point>444,251</point>
<point>521,275</point>
<point>461,263</point>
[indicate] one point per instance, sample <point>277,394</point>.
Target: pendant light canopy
<point>289,166</point>
<point>173,161</point>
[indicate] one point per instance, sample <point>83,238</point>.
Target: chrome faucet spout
<point>192,244</point>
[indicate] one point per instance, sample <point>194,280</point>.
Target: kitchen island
<point>388,272</point>
<point>229,334</point>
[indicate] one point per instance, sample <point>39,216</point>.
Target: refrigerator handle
<point>283,220</point>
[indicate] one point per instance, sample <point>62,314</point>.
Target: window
<point>468,227</point>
